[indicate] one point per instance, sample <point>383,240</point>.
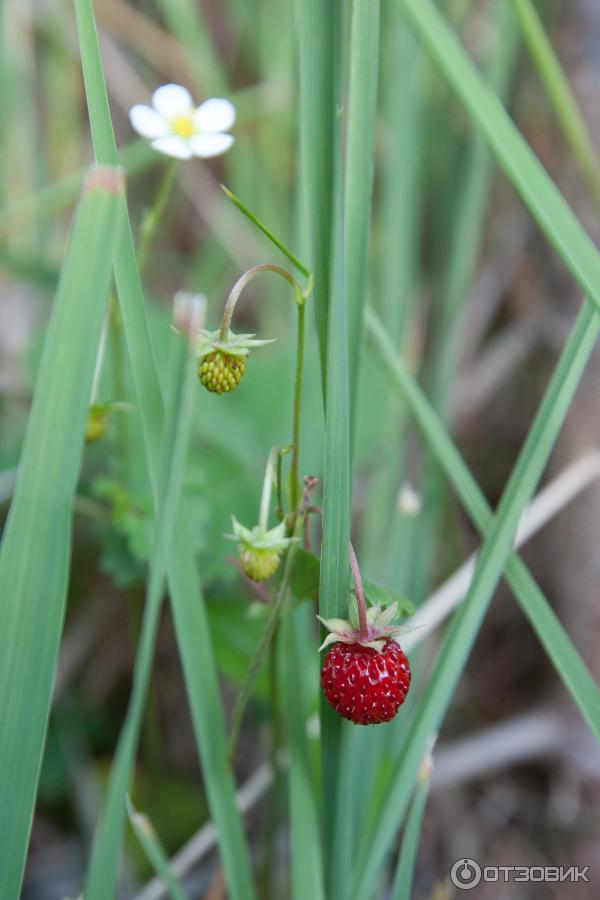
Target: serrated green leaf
<point>304,581</point>
<point>377,595</point>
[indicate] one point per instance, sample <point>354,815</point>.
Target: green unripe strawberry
<point>258,565</point>
<point>221,372</point>
<point>96,423</point>
<point>259,548</point>
<point>222,360</point>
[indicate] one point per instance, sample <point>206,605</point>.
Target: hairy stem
<point>363,628</point>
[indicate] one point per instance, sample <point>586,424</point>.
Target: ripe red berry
<point>363,685</point>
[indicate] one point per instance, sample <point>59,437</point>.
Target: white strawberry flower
<point>175,127</point>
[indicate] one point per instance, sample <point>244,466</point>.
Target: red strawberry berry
<point>364,685</point>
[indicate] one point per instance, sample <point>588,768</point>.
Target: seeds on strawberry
<point>221,372</point>
<point>364,685</point>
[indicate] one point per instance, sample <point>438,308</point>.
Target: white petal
<point>207,145</point>
<point>148,122</point>
<point>214,115</point>
<point>172,100</point>
<point>172,145</point>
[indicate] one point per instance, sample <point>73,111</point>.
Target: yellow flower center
<point>183,126</point>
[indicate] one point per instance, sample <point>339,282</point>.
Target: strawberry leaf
<point>377,595</point>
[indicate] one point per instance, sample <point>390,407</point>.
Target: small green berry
<point>96,423</point>
<point>258,565</point>
<point>221,372</point>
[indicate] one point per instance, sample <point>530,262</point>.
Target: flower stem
<point>363,627</point>
<point>153,215</point>
<point>243,281</point>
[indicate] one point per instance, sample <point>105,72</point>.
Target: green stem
<point>270,628</point>
<point>266,231</point>
<point>294,478</point>
<point>245,280</point>
<point>153,215</point>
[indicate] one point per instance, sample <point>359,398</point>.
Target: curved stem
<point>243,281</point>
<point>363,627</point>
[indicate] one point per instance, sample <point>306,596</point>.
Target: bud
<point>188,314</point>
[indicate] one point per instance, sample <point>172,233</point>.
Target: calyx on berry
<point>222,359</point>
<point>379,627</point>
<point>259,549</point>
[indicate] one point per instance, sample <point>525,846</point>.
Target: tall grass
<point>35,550</point>
<point>369,178</point>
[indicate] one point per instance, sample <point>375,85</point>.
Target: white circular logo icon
<point>465,874</point>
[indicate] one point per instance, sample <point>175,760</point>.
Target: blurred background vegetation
<point>467,288</point>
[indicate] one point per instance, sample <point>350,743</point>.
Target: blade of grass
<point>514,156</point>
<point>465,242</point>
<point>405,869</point>
<point>34,557</point>
<point>358,184</point>
<point>358,187</point>
<point>319,27</point>
<point>305,839</point>
<point>563,655</point>
<point>103,871</point>
<point>134,158</point>
<point>185,20</point>
<point>467,620</point>
<point>334,575</point>
<point>401,190</point>
<point>560,95</point>
<point>146,835</point>
<point>191,625</point>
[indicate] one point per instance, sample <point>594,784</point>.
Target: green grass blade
<point>527,175</point>
<point>306,860</point>
<point>34,557</point>
<point>319,28</point>
<point>560,94</point>
<point>103,871</point>
<point>146,835</point>
<point>54,198</point>
<point>404,876</point>
<point>334,578</point>
<point>559,647</point>
<point>189,612</point>
<point>467,620</point>
<point>358,184</point>
<point>185,20</point>
<point>464,246</point>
